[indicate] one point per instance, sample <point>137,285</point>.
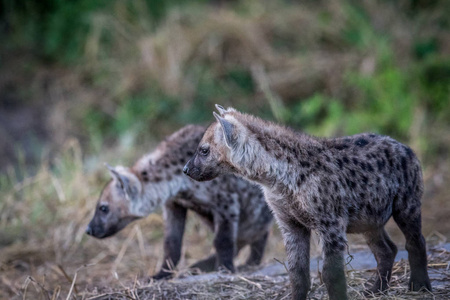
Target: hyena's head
<point>114,208</point>
<point>222,140</point>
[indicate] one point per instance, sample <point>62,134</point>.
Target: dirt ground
<point>45,254</point>
<point>269,282</point>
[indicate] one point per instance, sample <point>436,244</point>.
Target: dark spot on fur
<point>325,223</point>
<point>387,153</point>
<point>336,188</point>
<point>404,168</point>
<point>361,142</point>
<point>381,164</point>
<point>305,164</point>
<point>409,152</point>
<point>363,166</point>
<point>369,167</point>
<point>364,179</point>
<point>341,147</point>
<point>353,173</point>
<point>335,244</point>
<point>339,163</point>
<point>350,183</point>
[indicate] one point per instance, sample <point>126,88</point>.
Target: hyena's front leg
<point>174,221</point>
<point>225,240</point>
<point>333,274</point>
<point>297,243</point>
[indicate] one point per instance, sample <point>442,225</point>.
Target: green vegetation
<point>327,69</point>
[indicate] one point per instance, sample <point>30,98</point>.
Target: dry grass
<point>46,255</point>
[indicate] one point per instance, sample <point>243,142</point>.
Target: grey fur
<point>234,208</point>
<point>334,186</point>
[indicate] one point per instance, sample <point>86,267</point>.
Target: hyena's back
<point>374,177</point>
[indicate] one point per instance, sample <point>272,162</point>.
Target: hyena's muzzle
<point>197,171</point>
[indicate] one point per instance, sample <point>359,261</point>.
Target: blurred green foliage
<point>400,79</point>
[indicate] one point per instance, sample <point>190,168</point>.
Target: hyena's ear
<point>228,130</point>
<point>128,182</point>
<point>220,109</point>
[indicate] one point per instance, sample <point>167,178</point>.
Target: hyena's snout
<point>186,170</point>
<point>191,170</point>
<point>95,230</point>
<point>89,230</point>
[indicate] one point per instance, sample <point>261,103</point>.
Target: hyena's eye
<point>103,209</point>
<point>204,150</point>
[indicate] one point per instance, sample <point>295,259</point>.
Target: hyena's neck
<point>161,171</point>
<point>161,181</point>
<point>277,158</point>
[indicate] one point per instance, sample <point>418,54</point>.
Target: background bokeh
<point>85,82</point>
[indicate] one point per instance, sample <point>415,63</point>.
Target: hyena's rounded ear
<point>220,109</point>
<point>228,130</point>
<point>129,183</point>
<point>117,176</point>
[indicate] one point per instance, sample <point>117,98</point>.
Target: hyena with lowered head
<point>234,208</point>
<point>334,186</point>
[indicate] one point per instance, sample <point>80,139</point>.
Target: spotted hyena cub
<point>234,208</point>
<point>334,186</point>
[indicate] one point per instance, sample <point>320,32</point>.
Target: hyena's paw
<point>374,293</point>
<point>379,288</point>
<point>418,284</point>
<point>161,275</point>
<point>247,268</point>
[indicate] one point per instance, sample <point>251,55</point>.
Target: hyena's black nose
<point>185,169</point>
<point>89,230</point>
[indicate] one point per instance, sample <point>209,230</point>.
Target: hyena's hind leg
<point>407,215</point>
<point>384,250</point>
<point>257,251</point>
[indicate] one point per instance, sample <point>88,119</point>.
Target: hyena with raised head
<point>334,186</point>
<point>234,208</point>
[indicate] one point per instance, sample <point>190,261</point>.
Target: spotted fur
<point>234,208</point>
<point>334,186</point>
